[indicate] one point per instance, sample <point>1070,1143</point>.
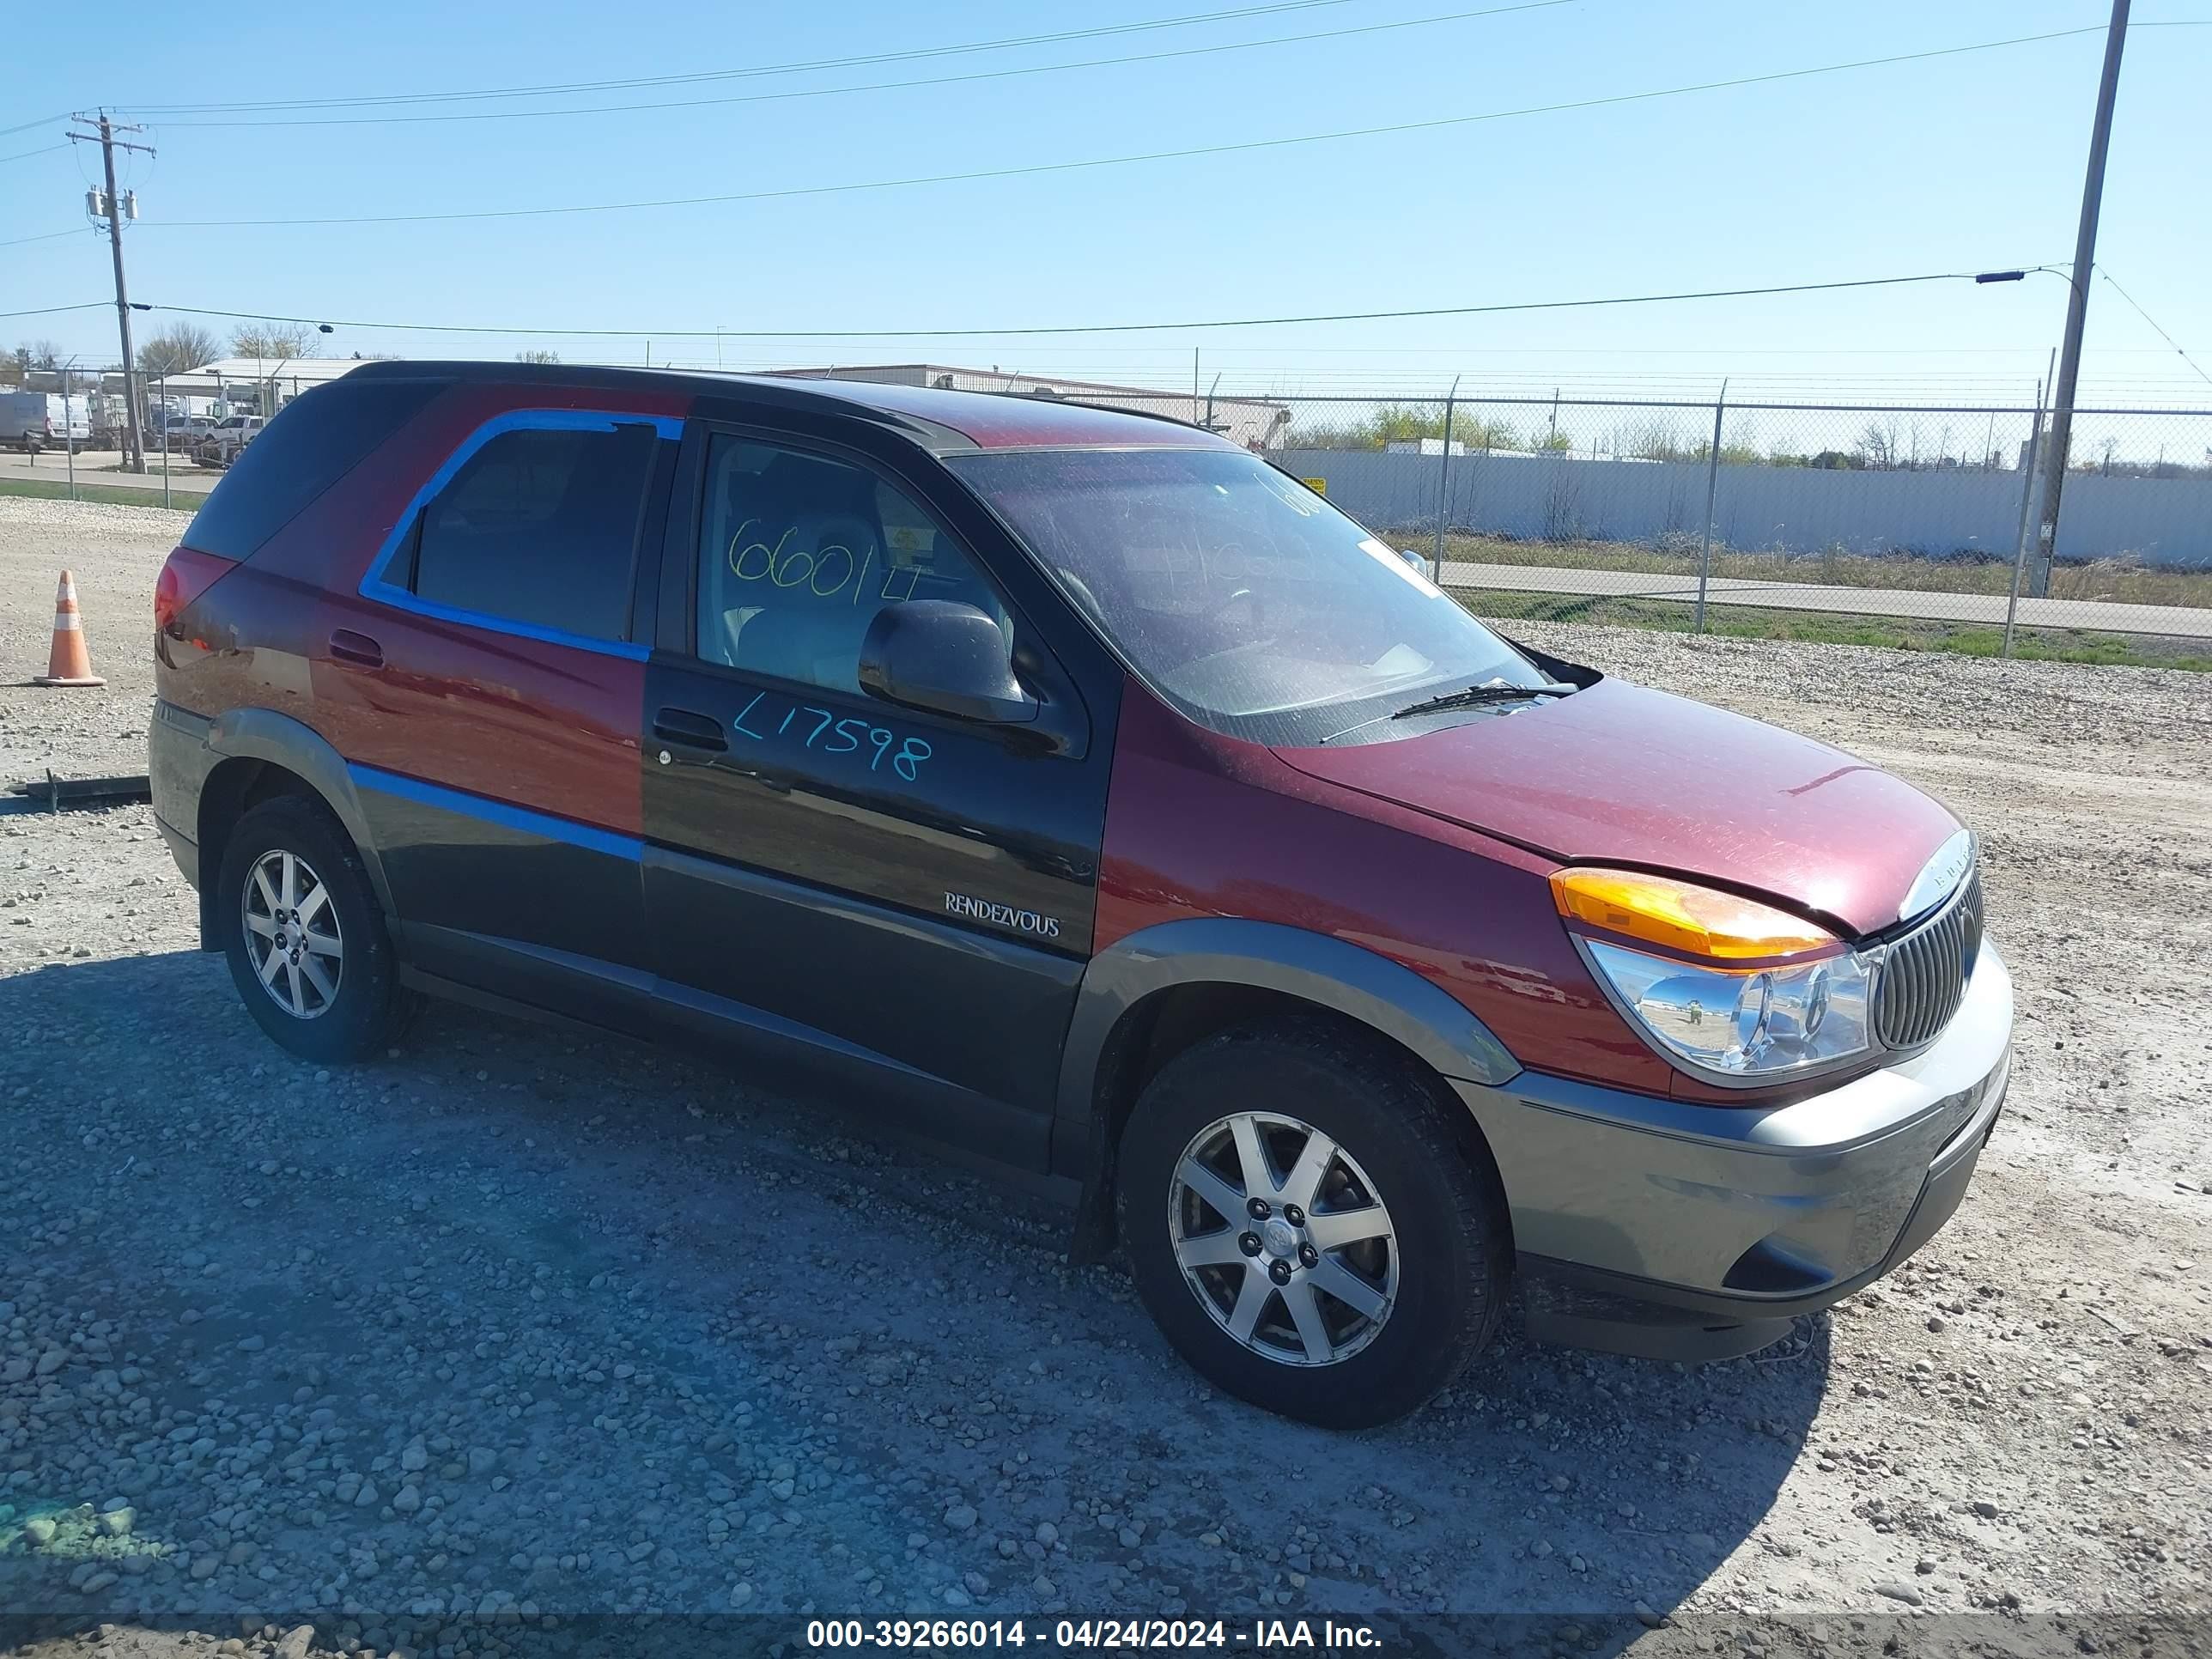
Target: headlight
<point>1745,1022</point>
<point>1775,994</point>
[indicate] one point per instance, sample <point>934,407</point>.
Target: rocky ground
<point>515,1323</point>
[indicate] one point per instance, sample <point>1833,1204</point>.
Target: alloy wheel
<point>1283,1239</point>
<point>293,939</point>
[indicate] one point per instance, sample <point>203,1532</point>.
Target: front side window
<point>798,553</point>
<point>540,527</point>
<point>1246,600</point>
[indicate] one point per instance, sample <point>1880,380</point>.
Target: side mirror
<point>943,656</point>
<point>1418,560</point>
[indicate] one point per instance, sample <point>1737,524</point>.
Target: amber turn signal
<point>1684,916</point>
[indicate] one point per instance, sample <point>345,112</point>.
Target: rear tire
<point>304,935</point>
<point>1382,1253</point>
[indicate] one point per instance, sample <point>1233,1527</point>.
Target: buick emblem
<point>1940,877</point>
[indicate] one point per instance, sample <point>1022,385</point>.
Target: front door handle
<point>347,646</point>
<point>683,725</point>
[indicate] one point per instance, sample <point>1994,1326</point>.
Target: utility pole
<point>2077,305</point>
<point>113,206</point>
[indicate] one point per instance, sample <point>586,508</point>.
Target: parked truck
<point>110,419</point>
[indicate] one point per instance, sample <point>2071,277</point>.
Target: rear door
<point>902,898</point>
<point>485,688</point>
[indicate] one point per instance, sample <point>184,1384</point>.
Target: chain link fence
<point>1906,524</point>
<point>191,426</point>
<point>1888,524</point>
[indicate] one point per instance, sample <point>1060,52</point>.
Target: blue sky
<point>1953,163</point>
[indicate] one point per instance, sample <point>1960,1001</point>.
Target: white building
<point>264,383</point>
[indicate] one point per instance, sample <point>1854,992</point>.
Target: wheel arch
<point>262,755</point>
<point>1155,993</point>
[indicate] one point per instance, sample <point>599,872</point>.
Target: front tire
<point>1304,1226</point>
<point>304,935</point>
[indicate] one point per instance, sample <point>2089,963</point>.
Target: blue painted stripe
<point>374,584</point>
<point>399,598</point>
<point>521,819</point>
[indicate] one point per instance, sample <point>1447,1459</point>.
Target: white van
<point>32,420</point>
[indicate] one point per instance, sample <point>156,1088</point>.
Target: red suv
<point>1073,787</point>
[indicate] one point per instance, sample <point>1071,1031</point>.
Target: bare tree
<point>1880,446</point>
<point>276,340</point>
<point>538,354</point>
<point>1652,438</point>
<point>37,354</point>
<point>180,347</point>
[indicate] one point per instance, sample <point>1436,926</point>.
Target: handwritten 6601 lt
<point>1077,788</point>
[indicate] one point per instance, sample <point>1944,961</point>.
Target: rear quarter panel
<point>539,724</point>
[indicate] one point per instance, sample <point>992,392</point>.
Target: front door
<point>902,896</point>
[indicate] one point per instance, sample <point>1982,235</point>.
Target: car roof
<point>940,420</point>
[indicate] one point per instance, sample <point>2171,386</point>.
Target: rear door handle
<point>349,646</point>
<point>683,725</point>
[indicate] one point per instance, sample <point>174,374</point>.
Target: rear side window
<point>315,441</point>
<point>540,527</point>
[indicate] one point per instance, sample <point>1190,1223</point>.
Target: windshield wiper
<point>1474,695</point>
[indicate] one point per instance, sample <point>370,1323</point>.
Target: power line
<point>49,236</point>
<point>2161,333</point>
<point>883,86</point>
<point>43,121</point>
<point>25,154</point>
<point>908,55</point>
<point>55,311</point>
<point>1046,168</point>
<point>1069,328</point>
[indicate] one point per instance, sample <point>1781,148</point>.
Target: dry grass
<point>2106,578</point>
<point>46,489</point>
<point>1898,632</point>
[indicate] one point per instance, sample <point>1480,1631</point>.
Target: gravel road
<point>517,1323</point>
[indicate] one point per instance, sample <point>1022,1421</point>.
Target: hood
<point>1620,772</point>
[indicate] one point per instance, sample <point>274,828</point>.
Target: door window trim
<point>375,583</point>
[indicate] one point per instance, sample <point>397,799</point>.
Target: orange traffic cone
<point>70,664</point>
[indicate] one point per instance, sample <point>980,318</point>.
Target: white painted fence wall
<point>2161,521</point>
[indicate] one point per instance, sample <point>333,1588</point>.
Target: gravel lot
<point>516,1323</point>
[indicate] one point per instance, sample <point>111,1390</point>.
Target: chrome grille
<point>1923,975</point>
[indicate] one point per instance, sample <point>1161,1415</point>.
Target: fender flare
<point>262,734</point>
<point>1384,995</point>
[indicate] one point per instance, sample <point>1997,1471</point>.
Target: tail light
<point>184,578</point>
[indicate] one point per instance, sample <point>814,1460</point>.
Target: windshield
<point>1239,594</point>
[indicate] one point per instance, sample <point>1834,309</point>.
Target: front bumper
<point>1677,1231</point>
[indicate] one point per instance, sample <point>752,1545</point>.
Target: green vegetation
<point>2106,578</point>
<point>56,489</point>
<point>1394,424</point>
<point>1896,632</point>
